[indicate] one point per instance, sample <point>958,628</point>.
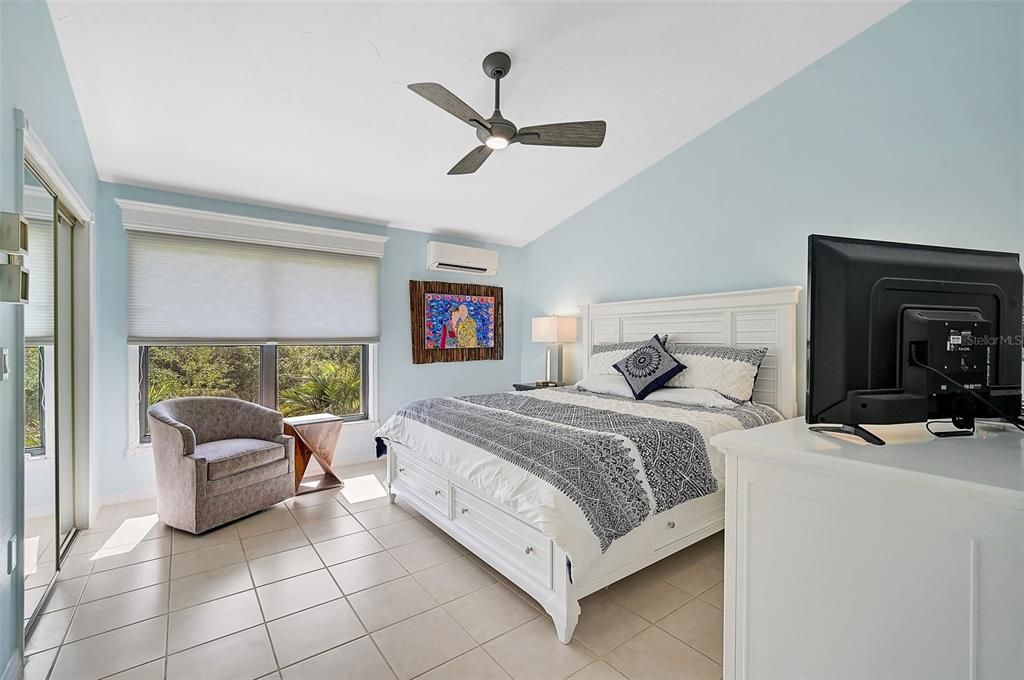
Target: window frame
<point>269,389</point>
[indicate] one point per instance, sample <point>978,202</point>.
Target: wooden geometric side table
<point>316,436</point>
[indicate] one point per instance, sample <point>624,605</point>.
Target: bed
<point>535,483</point>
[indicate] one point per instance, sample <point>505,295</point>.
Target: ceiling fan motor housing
<point>500,127</point>
<point>497,65</point>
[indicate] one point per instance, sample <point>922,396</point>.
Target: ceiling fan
<point>497,132</point>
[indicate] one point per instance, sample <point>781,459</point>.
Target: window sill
<point>38,461</point>
<point>140,451</point>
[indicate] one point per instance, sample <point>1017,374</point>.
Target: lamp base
<point>554,367</point>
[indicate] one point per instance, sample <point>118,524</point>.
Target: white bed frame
<point>526,557</point>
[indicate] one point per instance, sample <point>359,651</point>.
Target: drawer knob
<point>464,510</point>
<point>529,549</point>
<point>671,525</point>
<point>401,469</point>
<point>437,492</point>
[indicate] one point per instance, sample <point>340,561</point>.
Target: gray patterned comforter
<point>587,453</point>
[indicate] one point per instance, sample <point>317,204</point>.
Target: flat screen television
<point>903,333</point>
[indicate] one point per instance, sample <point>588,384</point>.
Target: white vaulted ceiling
<point>305,105</point>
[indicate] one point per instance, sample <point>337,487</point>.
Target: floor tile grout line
<point>130,590</point>
<point>370,633</point>
<point>218,638</point>
<point>167,627</point>
<point>276,552</point>
<point>259,603</point>
<point>644,630</point>
<point>156,616</point>
<point>491,657</point>
<point>71,621</point>
<point>110,630</point>
<point>508,632</point>
<point>262,624</point>
<point>668,632</point>
<point>131,668</point>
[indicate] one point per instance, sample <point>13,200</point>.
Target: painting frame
<point>421,354</point>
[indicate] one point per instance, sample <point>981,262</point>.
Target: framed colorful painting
<point>455,322</point>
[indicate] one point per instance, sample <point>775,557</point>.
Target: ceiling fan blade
<point>472,161</point>
<point>441,96</point>
<point>585,133</point>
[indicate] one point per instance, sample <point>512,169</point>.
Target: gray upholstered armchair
<point>217,460</point>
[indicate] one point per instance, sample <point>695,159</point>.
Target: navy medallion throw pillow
<point>649,367</point>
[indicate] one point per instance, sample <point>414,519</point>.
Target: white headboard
<point>761,318</point>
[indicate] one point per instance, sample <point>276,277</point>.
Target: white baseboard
<point>14,666</point>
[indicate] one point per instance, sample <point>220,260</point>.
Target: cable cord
<point>1012,420</point>
<point>941,433</point>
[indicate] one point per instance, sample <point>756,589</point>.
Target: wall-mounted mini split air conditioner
<point>447,257</point>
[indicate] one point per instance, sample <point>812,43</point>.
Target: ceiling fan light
<point>496,142</point>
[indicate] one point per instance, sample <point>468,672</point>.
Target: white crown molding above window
<point>37,204</point>
<point>36,153</point>
<point>167,219</point>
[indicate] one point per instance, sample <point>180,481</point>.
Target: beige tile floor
<point>40,554</point>
<point>344,585</point>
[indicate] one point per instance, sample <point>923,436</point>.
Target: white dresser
<point>845,560</point>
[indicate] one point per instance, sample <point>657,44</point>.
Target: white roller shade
<point>183,289</point>
<point>39,262</point>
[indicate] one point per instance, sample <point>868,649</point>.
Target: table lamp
<point>554,330</point>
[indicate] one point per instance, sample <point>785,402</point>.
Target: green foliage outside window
<point>204,370</point>
<point>319,379</point>
<point>33,413</point>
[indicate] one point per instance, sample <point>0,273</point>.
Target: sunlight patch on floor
<point>127,536</point>
<point>363,488</point>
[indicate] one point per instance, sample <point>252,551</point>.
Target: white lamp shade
<point>554,329</point>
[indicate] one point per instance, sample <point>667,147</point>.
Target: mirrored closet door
<point>49,392</point>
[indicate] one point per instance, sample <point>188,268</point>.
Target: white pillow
<point>601,383</point>
<point>730,371</point>
<point>616,386</point>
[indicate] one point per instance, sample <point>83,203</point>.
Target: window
<point>320,379</point>
<point>209,370</point>
<point>293,325</point>
<point>295,379</point>
<point>35,409</point>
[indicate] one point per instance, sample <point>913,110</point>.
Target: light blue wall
<point>912,131</point>
<point>32,78</point>
<point>399,380</point>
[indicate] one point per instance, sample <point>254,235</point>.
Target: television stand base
<point>855,430</point>
<point>963,427</point>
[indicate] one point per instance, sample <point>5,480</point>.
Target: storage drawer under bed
<point>424,484</point>
<point>517,542</point>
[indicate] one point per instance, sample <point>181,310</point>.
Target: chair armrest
<point>288,442</point>
<point>179,474</point>
<point>173,435</point>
